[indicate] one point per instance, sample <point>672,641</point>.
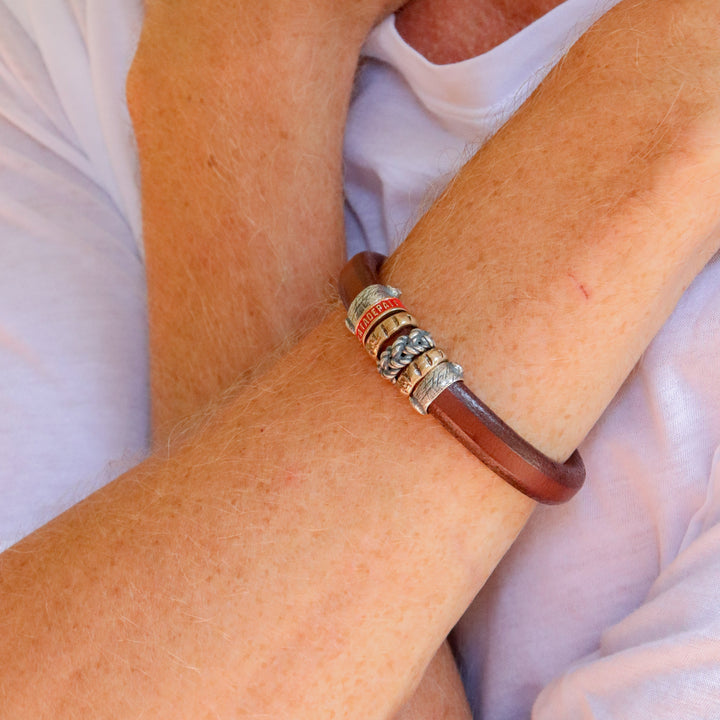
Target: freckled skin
<point>232,599</point>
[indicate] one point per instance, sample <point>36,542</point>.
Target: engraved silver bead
<point>418,369</point>
<point>438,379</point>
<point>364,300</point>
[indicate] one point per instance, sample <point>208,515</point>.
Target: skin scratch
<point>580,286</point>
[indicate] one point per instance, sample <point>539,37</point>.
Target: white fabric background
<point>604,608</point>
<point>73,356</point>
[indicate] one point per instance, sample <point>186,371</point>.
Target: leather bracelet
<point>442,394</point>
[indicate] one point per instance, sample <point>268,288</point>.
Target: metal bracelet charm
<point>370,305</point>
<point>386,329</point>
<point>438,379</point>
<point>418,369</point>
<point>402,352</point>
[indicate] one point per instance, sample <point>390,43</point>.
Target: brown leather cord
<point>503,450</point>
<point>362,270</point>
<point>475,425</point>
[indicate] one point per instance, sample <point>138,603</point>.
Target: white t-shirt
<point>73,350</point>
<point>603,608</point>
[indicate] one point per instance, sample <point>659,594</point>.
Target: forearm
<point>594,207</point>
<point>298,529</point>
<point>239,111</point>
<point>440,694</point>
<point>286,561</point>
<point>287,255</point>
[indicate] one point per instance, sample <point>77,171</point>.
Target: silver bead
<point>418,369</point>
<point>402,352</point>
<point>438,379</point>
<point>364,300</point>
